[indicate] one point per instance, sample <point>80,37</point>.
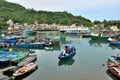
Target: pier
<point>7,68</point>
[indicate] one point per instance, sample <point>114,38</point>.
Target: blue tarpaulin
<point>70,45</point>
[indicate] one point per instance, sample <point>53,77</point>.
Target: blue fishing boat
<point>115,58</point>
<point>31,45</point>
<point>68,54</point>
<point>9,41</point>
<point>116,43</point>
<point>3,53</point>
<point>8,57</point>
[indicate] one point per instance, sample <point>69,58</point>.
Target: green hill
<point>20,14</point>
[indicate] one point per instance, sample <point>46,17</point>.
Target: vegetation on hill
<point>108,23</point>
<point>21,15</point>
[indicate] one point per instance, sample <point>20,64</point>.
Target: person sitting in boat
<point>64,52</point>
<point>67,50</point>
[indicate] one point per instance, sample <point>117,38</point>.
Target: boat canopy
<point>70,45</point>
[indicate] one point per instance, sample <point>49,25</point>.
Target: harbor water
<point>89,62</point>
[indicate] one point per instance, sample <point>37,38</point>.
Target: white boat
<point>76,30</point>
<point>25,69</point>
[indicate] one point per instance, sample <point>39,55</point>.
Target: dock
<point>7,68</point>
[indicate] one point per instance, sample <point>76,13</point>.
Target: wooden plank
<point>5,69</point>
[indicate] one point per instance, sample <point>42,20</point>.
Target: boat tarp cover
<point>70,45</point>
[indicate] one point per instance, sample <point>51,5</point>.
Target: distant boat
<point>75,30</point>
<point>67,54</point>
<point>104,35</point>
<point>115,43</point>
<point>48,47</point>
<point>25,70</point>
<point>94,37</point>
<point>9,41</point>
<point>31,45</point>
<point>87,34</point>
<point>55,41</point>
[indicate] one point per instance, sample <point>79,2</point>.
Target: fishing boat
<point>10,41</point>
<point>19,57</point>
<point>55,41</point>
<point>65,54</point>
<point>115,43</point>
<point>114,68</point>
<point>31,45</point>
<point>75,30</point>
<point>3,53</point>
<point>94,37</point>
<point>87,34</point>
<point>48,47</point>
<point>114,58</point>
<point>113,65</point>
<point>8,57</point>
<point>27,60</point>
<point>25,70</point>
<point>103,35</point>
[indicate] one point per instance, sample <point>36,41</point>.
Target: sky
<point>90,9</point>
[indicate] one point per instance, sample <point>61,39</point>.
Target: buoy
<point>103,64</point>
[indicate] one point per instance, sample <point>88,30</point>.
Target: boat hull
<point>116,43</point>
<point>67,55</point>
<point>37,45</point>
<point>27,60</point>
<point>98,37</point>
<point>114,69</point>
<point>19,57</point>
<point>29,68</point>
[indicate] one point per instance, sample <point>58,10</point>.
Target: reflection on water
<point>49,34</point>
<point>97,43</point>
<point>111,75</point>
<point>56,48</point>
<point>4,65</point>
<point>69,38</point>
<point>114,47</point>
<point>6,78</point>
<point>66,62</point>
